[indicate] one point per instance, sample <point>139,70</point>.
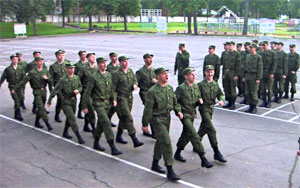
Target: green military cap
<point>266,42</point>
<point>211,46</point>
<point>122,58</point>
<point>38,58</point>
<point>247,43</point>
<point>292,45</point>
<point>160,70</point>
<point>227,43</point>
<point>13,56</point>
<point>112,54</point>
<point>239,44</point>
<point>232,42</point>
<point>70,65</point>
<point>147,55</point>
<point>18,53</point>
<point>81,51</point>
<point>274,42</point>
<point>255,41</point>
<point>63,51</point>
<point>59,52</point>
<point>253,46</point>
<point>209,67</point>
<point>181,44</point>
<point>280,43</point>
<point>187,70</point>
<point>101,59</point>
<point>89,54</point>
<point>151,55</point>
<point>260,43</point>
<point>36,52</point>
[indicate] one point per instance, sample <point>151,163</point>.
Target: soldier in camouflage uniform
<point>212,59</point>
<point>24,65</point>
<point>241,84</point>
<point>182,61</point>
<point>69,86</point>
<point>226,48</point>
<point>273,46</point>
<point>82,61</point>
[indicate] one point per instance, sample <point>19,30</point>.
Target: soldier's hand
<point>13,92</point>
<point>114,103</point>
<point>201,101</point>
<point>221,103</point>
<point>154,80</point>
<point>135,87</point>
<point>243,80</point>
<point>180,115</point>
<point>271,76</point>
<point>257,81</point>
<point>293,72</point>
<point>284,76</point>
<point>45,77</point>
<point>145,129</point>
<point>175,73</point>
<point>85,111</point>
<point>48,105</point>
<point>235,77</point>
<point>76,91</point>
<point>298,152</point>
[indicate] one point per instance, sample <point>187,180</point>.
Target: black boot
<point>249,109</point>
<point>279,98</point>
<point>114,150</point>
<point>80,140</point>
<point>264,103</point>
<point>18,115</point>
<point>218,156</point>
<point>79,114</point>
<point>204,162</point>
<point>136,142</point>
<point>37,122</point>
<point>286,95</point>
<point>178,156</point>
<point>66,133</point>
<point>97,146</point>
<point>228,104</point>
<point>148,134</point>
<point>23,105</point>
<point>171,174</point>
<point>243,101</point>
<point>48,125</point>
<point>113,125</point>
<point>232,107</point>
<point>57,118</point>
<point>268,105</point>
<point>275,99</point>
<point>119,137</point>
<point>86,125</point>
<point>254,109</point>
<point>34,109</point>
<point>155,167</point>
<point>292,97</point>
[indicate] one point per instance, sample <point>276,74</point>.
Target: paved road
<point>260,148</point>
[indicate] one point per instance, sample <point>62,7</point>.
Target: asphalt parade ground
<point>260,148</point>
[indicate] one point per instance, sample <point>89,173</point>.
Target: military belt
<point>162,115</point>
<point>101,100</point>
<point>208,105</point>
<point>42,89</point>
<point>125,95</point>
<point>187,112</point>
<point>227,70</point>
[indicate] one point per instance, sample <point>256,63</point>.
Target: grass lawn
<point>7,30</point>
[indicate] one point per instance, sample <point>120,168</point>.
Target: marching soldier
<point>293,61</point>
<point>182,61</point>
<point>280,73</point>
<point>161,100</point>
<point>24,65</point>
<point>99,88</point>
<point>212,59</point>
<point>252,75</point>
<point>124,82</point>
<point>69,86</point>
<point>82,61</point>
<point>14,74</point>
<point>189,97</point>
<point>231,68</point>
<point>146,79</point>
<point>112,67</point>
<point>269,67</point>
<point>241,84</point>
<point>210,90</point>
<point>57,70</point>
<point>39,78</point>
<point>239,49</point>
<point>84,74</point>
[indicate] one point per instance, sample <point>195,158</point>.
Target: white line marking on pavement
<point>292,119</point>
<point>98,152</point>
<point>241,108</point>
<point>257,115</point>
<point>277,108</point>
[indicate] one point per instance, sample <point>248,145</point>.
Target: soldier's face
<point>190,77</point>
<point>292,49</point>
<point>261,47</point>
<point>92,58</point>
<point>20,57</point>
<point>231,47</point>
<point>102,66</point>
<point>113,58</point>
<point>279,47</point>
<point>39,63</point>
<point>247,48</point>
<point>148,61</point>
<point>60,57</point>
<point>266,47</point>
<point>211,50</point>
<point>37,55</point>
<point>70,71</point>
<point>124,64</point>
<point>15,60</point>
<point>83,56</point>
<point>209,74</point>
<point>253,50</point>
<point>163,77</point>
<point>239,48</point>
<point>182,48</point>
<point>273,45</point>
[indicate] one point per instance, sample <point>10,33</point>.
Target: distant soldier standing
<point>146,79</point>
<point>273,46</point>
<point>253,68</point>
<point>212,59</point>
<point>39,78</point>
<point>226,48</point>
<point>231,69</point>
<point>112,67</point>
<point>189,97</point>
<point>14,74</point>
<point>182,61</point>
<point>99,88</point>
<point>82,61</point>
<point>241,84</point>
<point>69,86</point>
<point>124,82</point>
<point>269,67</point>
<point>293,61</point>
<point>210,90</point>
<point>161,100</point>
<point>280,73</point>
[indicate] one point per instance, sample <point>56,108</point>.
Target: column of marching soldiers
<point>258,72</point>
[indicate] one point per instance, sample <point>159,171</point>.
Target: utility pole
<point>245,29</point>
<point>78,14</point>
<point>63,13</point>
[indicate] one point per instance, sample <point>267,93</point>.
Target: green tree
<point>67,8</point>
<point>110,8</point>
<point>90,7</point>
<point>128,7</point>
